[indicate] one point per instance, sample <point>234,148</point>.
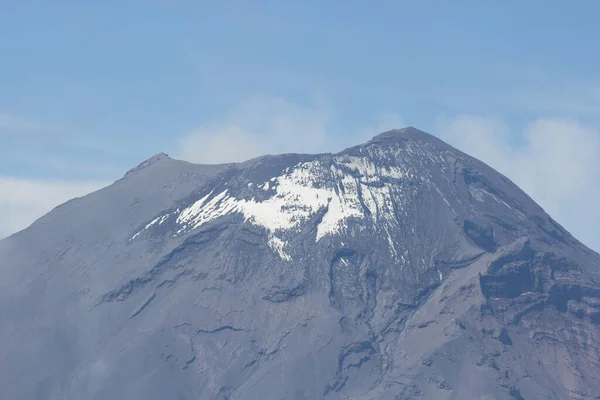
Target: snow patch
<point>158,220</point>
<point>297,197</point>
<point>343,188</point>
<point>277,246</point>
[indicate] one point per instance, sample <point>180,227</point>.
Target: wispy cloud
<point>10,123</point>
<point>22,201</point>
<point>33,148</point>
<point>258,126</point>
<point>555,160</point>
<point>272,125</point>
<point>576,99</point>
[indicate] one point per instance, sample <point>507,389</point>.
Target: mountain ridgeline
<point>400,268</point>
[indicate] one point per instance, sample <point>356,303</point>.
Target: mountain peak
<point>152,160</point>
<point>408,132</point>
<point>374,273</point>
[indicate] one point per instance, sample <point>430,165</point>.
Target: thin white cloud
<point>20,126</point>
<point>22,201</point>
<point>271,125</point>
<point>14,124</point>
<point>556,161</point>
<point>259,126</point>
<point>580,99</point>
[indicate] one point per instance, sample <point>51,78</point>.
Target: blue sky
<point>90,89</point>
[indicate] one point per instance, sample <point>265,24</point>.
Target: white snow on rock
<point>158,220</point>
<point>299,194</point>
<point>345,187</point>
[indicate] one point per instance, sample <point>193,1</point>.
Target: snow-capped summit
<point>396,269</point>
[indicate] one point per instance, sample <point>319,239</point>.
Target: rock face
<point>397,269</point>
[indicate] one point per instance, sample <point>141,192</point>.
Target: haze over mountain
<point>401,268</point>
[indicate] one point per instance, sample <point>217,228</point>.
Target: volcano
<point>400,268</point>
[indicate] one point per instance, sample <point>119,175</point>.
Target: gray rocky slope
<point>397,269</point>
